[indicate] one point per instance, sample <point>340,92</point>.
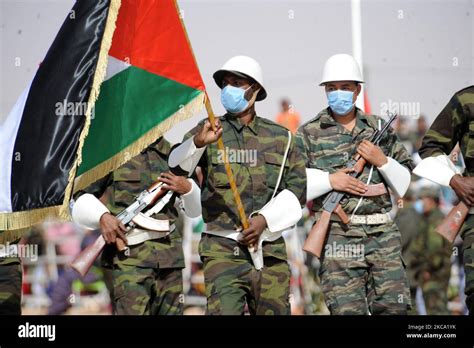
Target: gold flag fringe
<point>13,225</point>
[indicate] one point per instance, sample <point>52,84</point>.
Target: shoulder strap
<point>282,168</point>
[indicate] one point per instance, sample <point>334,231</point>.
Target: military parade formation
<point>369,261</point>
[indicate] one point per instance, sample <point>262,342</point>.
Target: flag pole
<point>228,169</point>
<point>220,143</point>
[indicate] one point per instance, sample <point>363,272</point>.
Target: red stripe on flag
<point>149,35</point>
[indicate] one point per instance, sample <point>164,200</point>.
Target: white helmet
<point>341,67</point>
<point>245,67</point>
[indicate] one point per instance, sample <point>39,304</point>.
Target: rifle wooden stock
<point>360,164</point>
<point>342,214</point>
<point>317,236</point>
<point>451,225</point>
<point>314,244</point>
<point>83,262</point>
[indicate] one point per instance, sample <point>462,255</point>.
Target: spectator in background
<point>405,133</point>
<point>432,259</point>
<point>421,128</point>
<point>288,117</point>
<point>409,222</point>
<point>62,290</point>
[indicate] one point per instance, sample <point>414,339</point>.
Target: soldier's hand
<point>251,235</point>
<point>175,183</point>
<point>464,188</point>
<point>207,135</point>
<point>112,228</point>
<point>372,153</point>
<point>340,181</point>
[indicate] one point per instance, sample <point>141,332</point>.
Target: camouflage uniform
<point>373,278</point>
<point>433,257</point>
<point>10,285</point>
<point>410,223</point>
<point>455,124</point>
<point>230,278</point>
<point>149,281</point>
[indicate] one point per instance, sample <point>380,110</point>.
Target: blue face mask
<point>340,102</point>
<point>419,206</point>
<point>233,99</point>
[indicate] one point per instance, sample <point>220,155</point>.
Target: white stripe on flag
<point>115,66</point>
<point>8,133</point>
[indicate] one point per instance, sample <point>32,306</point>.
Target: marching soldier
<point>455,124</point>
<point>149,280</point>
<point>432,255</point>
<point>369,274</point>
<point>270,177</point>
<point>410,222</point>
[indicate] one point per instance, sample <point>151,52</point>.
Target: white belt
<point>374,219</point>
<point>257,256</point>
<point>137,235</point>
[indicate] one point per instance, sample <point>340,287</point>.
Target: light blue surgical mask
<point>419,206</point>
<point>341,102</point>
<point>233,99</point>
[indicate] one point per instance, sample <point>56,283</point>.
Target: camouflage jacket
<point>454,124</point>
<point>410,223</point>
<point>327,145</point>
<point>120,189</point>
<point>431,252</point>
<point>255,152</point>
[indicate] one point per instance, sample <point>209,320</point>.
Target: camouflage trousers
<point>10,286</point>
<point>147,291</point>
<point>149,280</point>
<point>364,273</point>
<point>467,234</point>
<point>232,283</point>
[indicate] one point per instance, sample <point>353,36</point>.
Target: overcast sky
<point>414,52</point>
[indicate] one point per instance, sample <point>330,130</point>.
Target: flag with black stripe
<point>42,136</point>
